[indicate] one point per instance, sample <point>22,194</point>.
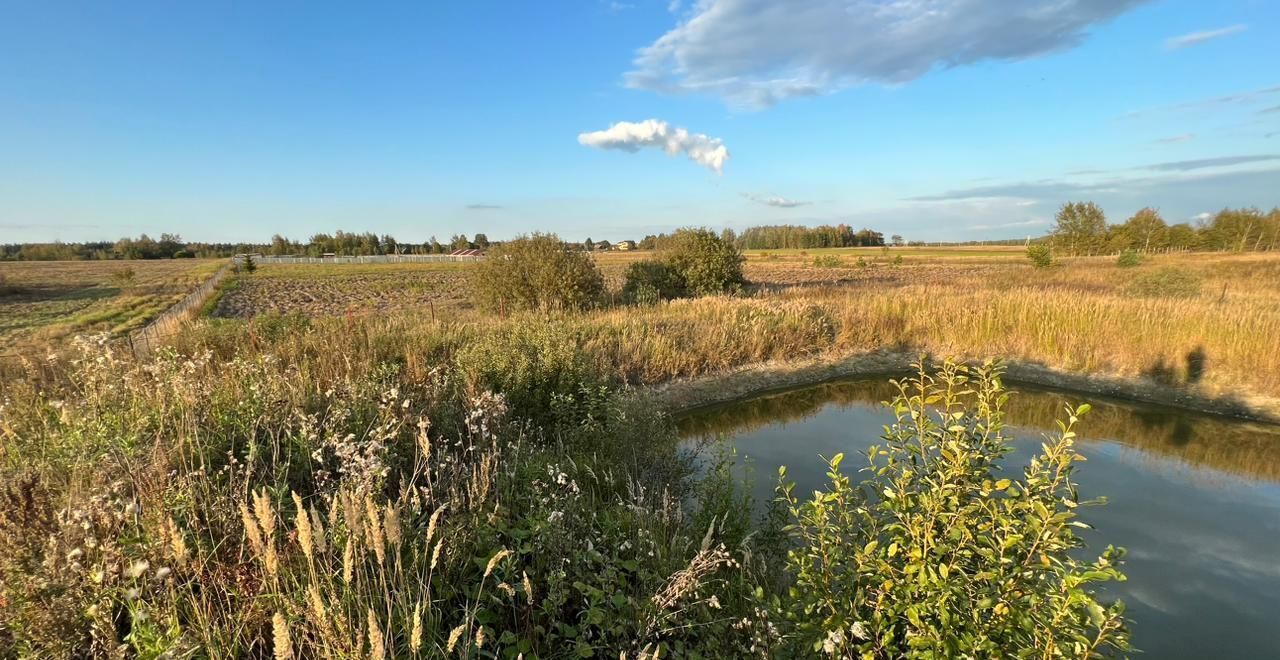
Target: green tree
<point>536,272</point>
<point>705,262</point>
<point>1146,230</point>
<point>897,240</point>
<point>1236,230</point>
<point>1040,255</point>
<point>481,241</point>
<point>459,242</point>
<point>1080,228</point>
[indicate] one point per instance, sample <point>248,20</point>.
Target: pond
<point>1194,498</point>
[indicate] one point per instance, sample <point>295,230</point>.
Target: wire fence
<point>366,259</point>
<point>140,342</point>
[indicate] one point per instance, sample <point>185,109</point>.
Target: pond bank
<point>689,394</point>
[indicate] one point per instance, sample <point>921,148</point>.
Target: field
<point>331,290</point>
<point>1084,315</point>
<point>44,302</point>
<point>349,457</point>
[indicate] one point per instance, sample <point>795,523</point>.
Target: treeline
<point>795,236</point>
<point>171,246</point>
<point>1081,228</point>
<point>351,244</point>
<point>168,246</point>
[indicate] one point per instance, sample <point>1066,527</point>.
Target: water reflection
<point>1195,499</point>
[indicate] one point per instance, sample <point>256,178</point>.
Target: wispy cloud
<point>1272,110</point>
<point>1202,163</point>
<point>1051,189</point>
<point>1228,99</point>
<point>755,53</point>
<point>483,207</point>
<point>1008,225</point>
<point>652,133</point>
<point>776,202</point>
<point>1195,38</point>
<point>1176,139</point>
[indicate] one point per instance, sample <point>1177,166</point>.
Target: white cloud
<point>633,136</point>
<point>755,53</point>
<point>776,202</point>
<point>1195,38</point>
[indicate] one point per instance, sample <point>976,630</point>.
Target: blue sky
<point>938,120</point>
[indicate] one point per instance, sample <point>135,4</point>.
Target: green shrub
<point>1129,259</point>
<point>706,263</point>
<point>1040,255</point>
<point>649,281</point>
<point>828,261</point>
<point>897,260</point>
<point>536,272</point>
<point>936,554</point>
<point>1167,282</point>
<point>248,265</point>
<point>862,263</point>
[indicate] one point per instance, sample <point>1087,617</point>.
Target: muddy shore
<point>685,395</point>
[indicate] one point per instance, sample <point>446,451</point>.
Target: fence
<point>170,322</point>
<point>367,259</point>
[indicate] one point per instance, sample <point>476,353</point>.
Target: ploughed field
<point>337,289</point>
<point>44,302</point>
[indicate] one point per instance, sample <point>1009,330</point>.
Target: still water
<point>1195,499</point>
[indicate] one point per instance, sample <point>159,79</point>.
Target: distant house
<point>625,245</point>
<point>467,253</point>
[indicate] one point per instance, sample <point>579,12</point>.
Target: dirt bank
<point>685,395</point>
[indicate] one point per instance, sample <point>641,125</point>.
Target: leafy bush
<point>248,265</point>
<point>828,261</point>
<point>1168,282</point>
<point>862,263</point>
<point>536,272</point>
<point>936,554</point>
<point>649,281</point>
<point>706,263</point>
<point>1129,259</point>
<point>1040,255</point>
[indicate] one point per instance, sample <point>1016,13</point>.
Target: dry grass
<point>44,302</point>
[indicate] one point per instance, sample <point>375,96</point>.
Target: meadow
<point>360,479</point>
<point>46,302</point>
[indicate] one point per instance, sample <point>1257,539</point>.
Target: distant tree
<point>460,242</point>
<point>536,272</point>
<point>1182,236</point>
<point>1080,228</point>
<point>1236,230</point>
<point>728,236</point>
<point>897,240</point>
<point>1146,230</point>
<point>648,242</point>
<point>481,241</point>
<point>389,245</point>
<point>588,244</point>
<point>279,246</point>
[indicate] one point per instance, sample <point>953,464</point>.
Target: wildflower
<point>137,568</point>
